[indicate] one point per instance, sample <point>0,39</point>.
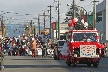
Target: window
<point>99,16</point>
<point>84,36</point>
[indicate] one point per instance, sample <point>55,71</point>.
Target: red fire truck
<point>83,48</point>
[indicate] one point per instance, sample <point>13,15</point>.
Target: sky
<point>36,7</point>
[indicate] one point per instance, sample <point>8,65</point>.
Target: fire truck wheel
<point>89,64</point>
<point>95,64</point>
<point>74,64</point>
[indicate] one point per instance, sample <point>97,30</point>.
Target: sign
<point>54,25</point>
<point>87,50</point>
<point>46,33</point>
<point>90,20</point>
<point>46,36</point>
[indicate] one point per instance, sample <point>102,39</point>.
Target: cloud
<point>36,6</point>
<point>24,5</point>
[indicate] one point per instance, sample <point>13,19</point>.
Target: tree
<point>79,11</point>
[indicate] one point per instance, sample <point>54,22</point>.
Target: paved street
<point>38,64</point>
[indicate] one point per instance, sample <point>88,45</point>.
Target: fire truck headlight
<point>75,55</point>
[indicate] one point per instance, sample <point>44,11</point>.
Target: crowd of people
<point>18,46</point>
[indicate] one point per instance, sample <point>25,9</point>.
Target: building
<point>102,23</point>
<point>63,30</point>
<point>63,26</point>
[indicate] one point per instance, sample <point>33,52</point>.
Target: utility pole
<point>56,29</point>
<point>31,26</point>
<point>34,30</point>
<point>74,10</point>
<point>39,24</point>
<point>44,19</point>
<point>2,25</point>
<point>58,21</point>
<point>50,21</point>
<point>94,13</point>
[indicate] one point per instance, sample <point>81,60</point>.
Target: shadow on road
<point>43,66</point>
<point>35,59</point>
<point>34,66</point>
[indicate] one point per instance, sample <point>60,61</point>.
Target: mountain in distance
<point>17,29</point>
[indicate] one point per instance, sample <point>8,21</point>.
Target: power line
<point>47,7</point>
<point>50,20</point>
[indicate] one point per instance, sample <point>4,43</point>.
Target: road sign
<point>89,20</point>
<point>46,36</point>
<point>54,25</point>
<point>46,33</point>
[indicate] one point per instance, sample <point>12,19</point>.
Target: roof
<point>83,31</point>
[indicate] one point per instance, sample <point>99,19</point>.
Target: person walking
<point>33,46</point>
<point>43,50</point>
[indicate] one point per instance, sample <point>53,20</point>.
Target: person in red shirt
<point>13,42</point>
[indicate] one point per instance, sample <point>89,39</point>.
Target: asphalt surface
<point>38,64</point>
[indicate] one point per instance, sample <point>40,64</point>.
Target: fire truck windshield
<point>84,37</point>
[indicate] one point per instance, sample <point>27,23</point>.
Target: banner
<point>54,25</point>
<point>90,20</point>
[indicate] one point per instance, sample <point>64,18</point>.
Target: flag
<point>56,25</point>
<point>89,20</point>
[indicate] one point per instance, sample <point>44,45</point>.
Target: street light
<point>35,27</point>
